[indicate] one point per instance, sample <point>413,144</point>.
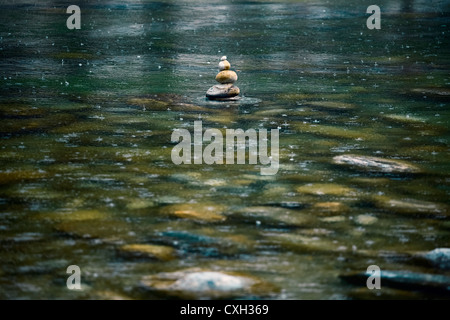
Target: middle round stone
<point>226,76</point>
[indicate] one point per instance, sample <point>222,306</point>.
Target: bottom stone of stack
<point>223,92</point>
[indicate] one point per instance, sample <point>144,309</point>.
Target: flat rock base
<point>223,92</point>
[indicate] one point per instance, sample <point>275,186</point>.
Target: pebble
<point>224,64</point>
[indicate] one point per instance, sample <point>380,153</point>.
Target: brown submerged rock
<point>406,280</point>
<point>156,252</point>
<point>376,164</point>
<point>412,207</point>
<point>201,212</point>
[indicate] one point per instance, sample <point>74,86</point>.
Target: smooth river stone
<point>407,280</point>
<point>408,119</point>
<point>109,295</point>
<point>412,206</point>
<point>331,105</point>
<point>330,207</point>
<point>226,76</point>
<point>337,132</point>
<point>157,252</point>
<point>107,231</point>
<point>275,216</point>
<point>365,219</point>
<point>224,65</point>
<point>438,93</point>
<point>201,212</point>
<point>197,284</point>
<point>304,244</point>
<point>7,177</point>
<point>331,189</point>
<point>439,258</point>
<point>222,91</point>
<point>80,215</point>
<point>149,104</point>
<point>376,164</point>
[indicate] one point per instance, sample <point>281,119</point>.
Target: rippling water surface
<point>86,123</point>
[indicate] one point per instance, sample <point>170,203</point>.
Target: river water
<point>86,123</point>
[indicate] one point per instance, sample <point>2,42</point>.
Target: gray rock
<point>376,164</point>
<point>412,207</point>
<point>436,93</point>
<point>210,281</point>
<point>275,216</point>
<point>439,257</point>
<point>196,284</point>
<point>406,280</point>
<point>223,92</point>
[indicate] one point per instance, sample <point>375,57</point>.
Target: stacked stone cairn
<point>226,90</point>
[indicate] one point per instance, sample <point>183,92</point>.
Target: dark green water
<point>86,123</point>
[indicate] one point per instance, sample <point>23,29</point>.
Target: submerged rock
<point>274,215</point>
<point>331,189</point>
<point>7,177</point>
<point>305,244</point>
<point>407,280</point>
<point>376,164</point>
<point>436,93</point>
<point>332,131</point>
<point>407,119</point>
<point>203,212</point>
<point>107,231</point>
<point>149,104</point>
<point>365,219</point>
<point>109,295</point>
<point>73,216</point>
<point>412,206</point>
<point>330,207</point>
<point>334,219</point>
<point>331,105</point>
<point>157,252</point>
<point>136,204</point>
<point>197,284</point>
<point>439,257</point>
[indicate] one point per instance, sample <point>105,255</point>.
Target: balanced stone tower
<point>226,90</point>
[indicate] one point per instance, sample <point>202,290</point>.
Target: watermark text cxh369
<point>213,153</point>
